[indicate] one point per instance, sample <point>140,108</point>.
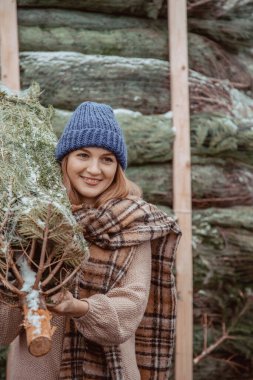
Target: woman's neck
<point>88,202</point>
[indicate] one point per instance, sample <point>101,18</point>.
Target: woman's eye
<point>83,155</point>
<point>108,160</point>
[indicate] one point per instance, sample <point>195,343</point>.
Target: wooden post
<point>9,51</point>
<point>177,16</point>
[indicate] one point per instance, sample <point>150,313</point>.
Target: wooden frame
<point>178,47</point>
<point>9,50</point>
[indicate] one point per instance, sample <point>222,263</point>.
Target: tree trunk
<point>212,185</point>
<point>38,328</point>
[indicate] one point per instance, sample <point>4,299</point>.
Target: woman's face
<point>91,171</point>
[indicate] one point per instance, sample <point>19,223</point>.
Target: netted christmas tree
<point>41,245</point>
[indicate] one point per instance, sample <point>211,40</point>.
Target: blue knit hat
<point>93,125</point>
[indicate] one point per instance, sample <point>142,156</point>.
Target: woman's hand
<point>65,304</point>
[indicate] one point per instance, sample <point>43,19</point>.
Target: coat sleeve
<point>114,317</point>
<point>10,323</point>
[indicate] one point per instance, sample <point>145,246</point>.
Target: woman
<point>102,332</point>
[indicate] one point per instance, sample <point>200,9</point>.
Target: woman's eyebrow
<point>109,154</point>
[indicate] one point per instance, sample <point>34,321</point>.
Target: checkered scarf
<point>122,224</point>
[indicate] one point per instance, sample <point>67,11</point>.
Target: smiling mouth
<point>91,181</point>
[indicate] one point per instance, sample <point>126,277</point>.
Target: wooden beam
<point>9,50</point>
<point>178,47</point>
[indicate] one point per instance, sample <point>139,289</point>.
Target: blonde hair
<point>121,187</point>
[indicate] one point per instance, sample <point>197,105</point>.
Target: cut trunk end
<point>38,330</point>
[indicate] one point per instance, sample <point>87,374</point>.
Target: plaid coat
<point>120,226</point>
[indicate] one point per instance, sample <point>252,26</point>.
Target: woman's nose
<point>94,167</point>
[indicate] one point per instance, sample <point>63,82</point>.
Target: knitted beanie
<point>93,125</point>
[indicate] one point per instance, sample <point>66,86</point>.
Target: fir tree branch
<point>50,257</point>
<point>212,347</point>
<point>225,334</point>
<point>11,287</point>
<point>234,365</point>
<point>7,214</point>
<point>242,312</point>
<point>67,279</point>
<point>43,250</point>
<point>32,250</point>
<point>197,4</point>
<point>54,271</point>
<point>205,332</point>
<point>15,269</point>
<point>29,258</point>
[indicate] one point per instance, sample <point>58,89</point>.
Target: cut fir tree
<point>41,245</point>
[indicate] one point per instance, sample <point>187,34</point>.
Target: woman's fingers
<point>65,304</point>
